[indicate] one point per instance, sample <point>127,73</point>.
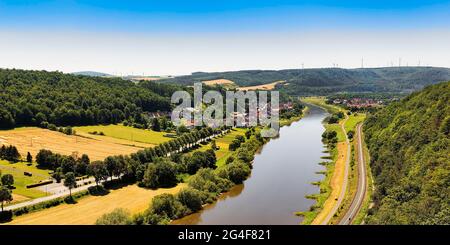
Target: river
<point>281,177</point>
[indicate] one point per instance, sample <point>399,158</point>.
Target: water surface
<point>281,177</point>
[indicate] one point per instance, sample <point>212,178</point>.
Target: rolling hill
<point>325,81</point>
<point>409,143</point>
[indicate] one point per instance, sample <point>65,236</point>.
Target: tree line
<point>41,98</point>
<point>203,187</point>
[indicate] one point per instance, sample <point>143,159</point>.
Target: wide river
<point>281,177</point>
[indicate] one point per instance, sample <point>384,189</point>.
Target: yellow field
<point>31,139</point>
<point>131,135</point>
<point>336,183</point>
<point>267,86</point>
<point>90,208</point>
<point>218,82</point>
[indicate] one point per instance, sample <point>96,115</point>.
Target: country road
<point>362,184</point>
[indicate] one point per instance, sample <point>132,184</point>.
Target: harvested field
<point>124,135</point>
<point>267,86</point>
<point>33,139</point>
<point>218,82</point>
<point>89,209</point>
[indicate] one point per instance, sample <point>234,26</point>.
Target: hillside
<point>92,74</point>
<point>409,143</point>
<point>325,81</point>
<point>39,98</point>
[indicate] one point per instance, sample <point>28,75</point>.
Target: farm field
<point>21,193</point>
<point>218,82</point>
<point>32,139</point>
<point>129,134</point>
<point>267,86</point>
<point>90,208</point>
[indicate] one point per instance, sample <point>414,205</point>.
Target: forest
<point>41,98</point>
<point>327,81</point>
<point>409,149</point>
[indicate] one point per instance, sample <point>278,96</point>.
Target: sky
<point>181,37</point>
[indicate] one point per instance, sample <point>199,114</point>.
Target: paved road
<point>344,183</point>
<point>362,184</point>
<point>58,189</point>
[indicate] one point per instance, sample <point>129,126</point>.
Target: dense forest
<point>409,146</point>
<point>40,98</point>
<point>326,81</point>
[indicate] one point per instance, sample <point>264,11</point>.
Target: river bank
<point>280,179</point>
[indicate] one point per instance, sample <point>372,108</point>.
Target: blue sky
<point>220,35</point>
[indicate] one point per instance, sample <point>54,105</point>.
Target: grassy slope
<point>21,181</point>
<point>127,133</point>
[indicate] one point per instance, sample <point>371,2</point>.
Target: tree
<point>234,145</point>
<point>29,158</point>
<point>155,125</point>
<point>190,198</point>
<point>7,180</point>
<point>213,145</point>
<point>168,205</point>
<point>248,133</point>
<point>118,216</point>
<point>113,166</point>
<point>45,159</point>
<point>182,129</point>
<point>5,195</point>
<point>161,173</point>
<point>98,170</point>
<point>70,182</point>
<point>238,171</point>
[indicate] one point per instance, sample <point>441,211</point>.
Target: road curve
<point>346,170</point>
<point>362,184</point>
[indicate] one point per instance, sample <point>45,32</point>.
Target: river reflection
<point>281,177</point>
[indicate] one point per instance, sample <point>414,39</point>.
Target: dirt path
<point>338,180</point>
<point>90,208</point>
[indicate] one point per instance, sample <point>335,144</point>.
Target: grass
<point>353,120</point>
<point>127,133</point>
<point>320,101</point>
<point>223,142</point>
<point>21,181</point>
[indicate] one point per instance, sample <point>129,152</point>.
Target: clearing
<point>218,82</point>
<point>88,209</point>
<point>267,86</point>
<point>32,139</point>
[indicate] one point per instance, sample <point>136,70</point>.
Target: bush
<point>118,216</point>
<point>6,216</point>
<point>238,172</point>
<point>190,198</point>
<point>168,205</point>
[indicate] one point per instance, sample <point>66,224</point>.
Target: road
<point>57,190</point>
<point>344,184</point>
<point>362,184</point>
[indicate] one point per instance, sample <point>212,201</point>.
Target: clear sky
<point>179,37</point>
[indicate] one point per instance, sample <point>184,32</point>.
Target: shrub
<point>190,198</point>
<point>118,216</point>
